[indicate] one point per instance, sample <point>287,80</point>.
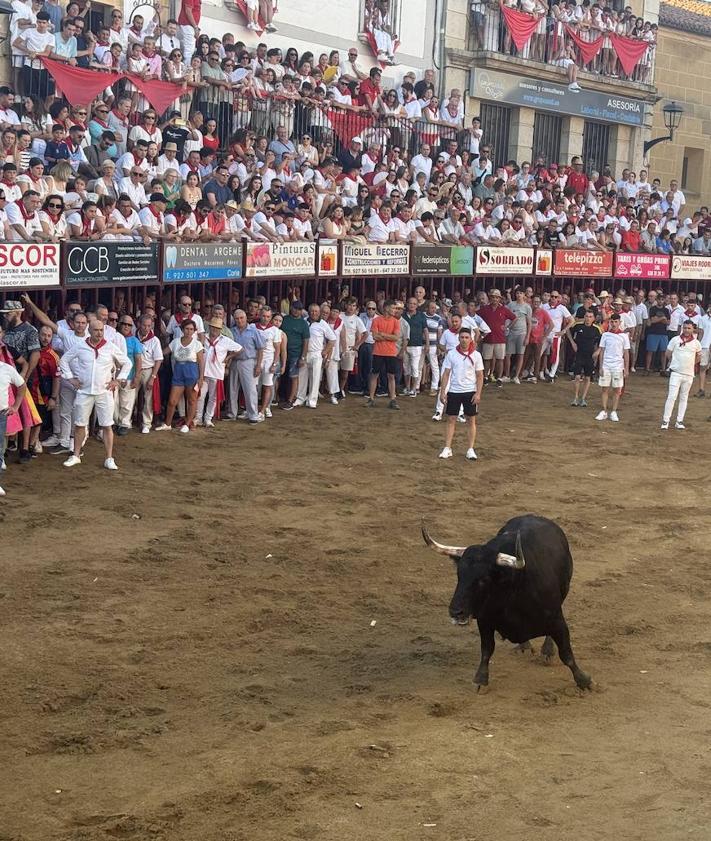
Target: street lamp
<point>672,118</point>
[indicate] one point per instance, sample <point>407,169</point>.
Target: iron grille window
<point>495,125</point>
<point>596,140</point>
<point>546,137</point>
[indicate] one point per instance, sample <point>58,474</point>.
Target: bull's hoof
<point>523,647</point>
<point>480,680</point>
<point>482,689</point>
<point>583,681</point>
<point>548,648</point>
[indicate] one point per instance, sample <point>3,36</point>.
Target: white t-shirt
<point>320,333</point>
<point>270,336</point>
<point>449,339</point>
<point>186,353</point>
<point>629,320</point>
<point>463,367</point>
<point>705,325</point>
<point>354,328</point>
<point>36,42</point>
<point>683,356</point>
<point>676,318</point>
<point>476,322</point>
<point>557,315</point>
<point>8,377</point>
<point>215,355</point>
<point>174,330</point>
<point>15,217</point>
<point>613,346</point>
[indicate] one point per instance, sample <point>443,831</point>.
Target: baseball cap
<point>11,306</point>
<point>297,305</point>
<point>358,140</point>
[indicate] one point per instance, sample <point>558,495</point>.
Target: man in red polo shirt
<point>370,88</point>
<point>495,314</point>
<point>576,177</point>
<point>631,239</point>
<point>189,22</point>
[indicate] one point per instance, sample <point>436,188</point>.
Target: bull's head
<point>478,569</point>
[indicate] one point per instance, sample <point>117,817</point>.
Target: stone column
<point>521,134</point>
<point>571,138</point>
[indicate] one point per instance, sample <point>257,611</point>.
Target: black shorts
<point>583,366</point>
<point>457,400</point>
<point>386,365</point>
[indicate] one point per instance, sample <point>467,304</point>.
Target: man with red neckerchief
<point>683,354</point>
<point>219,349</point>
<point>461,385</point>
<point>24,221</point>
<point>614,355</point>
<point>447,342</point>
<point>150,364</point>
<point>562,319</point>
<point>495,314</point>
<point>89,366</point>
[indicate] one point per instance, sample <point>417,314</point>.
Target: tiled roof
<point>687,15</point>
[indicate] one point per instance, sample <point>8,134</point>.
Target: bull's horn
<point>516,561</point>
<point>451,551</point>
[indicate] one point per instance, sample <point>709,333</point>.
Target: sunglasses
<point>54,204</point>
<point>125,324</point>
<point>112,319</point>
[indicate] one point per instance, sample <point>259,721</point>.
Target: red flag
<point>629,51</point>
<point>588,49</point>
<point>348,124</point>
<point>161,95</point>
<point>520,25</point>
<point>78,84</point>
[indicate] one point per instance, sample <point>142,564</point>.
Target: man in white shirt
<point>451,230</point>
<point>562,319</point>
<point>381,226</point>
<point>134,188</point>
<point>125,217</point>
<point>219,348</point>
<point>683,354</point>
<point>150,364</point>
<point>24,224</point>
<point>153,218</point>
<point>614,354</point>
<point>404,227</point>
<point>270,358</point>
<point>355,336</point>
<point>184,312</point>
<point>705,340</point>
<point>461,386</point>
<point>169,159</point>
<point>322,340</point>
<point>422,162</point>
<point>89,366</point>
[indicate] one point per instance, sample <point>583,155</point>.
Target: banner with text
<point>690,267</point>
<point>120,263</point>
<point>642,266</point>
<point>442,260</point>
<point>569,262</point>
<point>373,258</point>
<point>280,258</point>
<point>492,259</point>
<point>24,265</point>
<point>190,262</point>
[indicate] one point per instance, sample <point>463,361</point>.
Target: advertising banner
<point>570,262</point>
<point>544,262</point>
<point>275,258</point>
<point>642,266</point>
<point>327,258</point>
<point>491,259</point>
<point>442,260</point>
<point>193,261</point>
<point>374,258</point>
<point>120,263</point>
<point>24,265</point>
<point>690,267</point>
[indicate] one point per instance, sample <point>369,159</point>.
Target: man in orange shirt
<point>385,330</point>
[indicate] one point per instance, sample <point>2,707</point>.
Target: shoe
<point>185,429</point>
<point>516,381</point>
<point>433,392</point>
<point>531,380</point>
<point>575,402</point>
<point>72,461</point>
<point>210,425</point>
<point>25,456</point>
<point>437,416</point>
<point>271,28</point>
<point>665,425</point>
<point>413,393</point>
<point>541,375</point>
<point>198,423</point>
<point>162,428</point>
<point>37,450</point>
<point>602,415</point>
<point>110,464</point>
<point>505,380</point>
<point>334,400</point>
<point>298,402</point>
<point>52,441</point>
<point>499,383</point>
<point>381,394</point>
<point>393,405</point>
<point>446,453</point>
<point>260,415</point>
<point>122,430</point>
<point>356,392</point>
<point>471,455</point>
<point>583,402</point>
<point>259,419</point>
<point>308,406</point>
<point>370,403</point>
<point>614,417</point>
<point>99,435</point>
<point>288,406</point>
<point>633,370</point>
<point>145,430</point>
<point>461,419</point>
<point>59,450</point>
<point>2,492</point>
<point>679,425</point>
<point>700,393</point>
<point>267,414</point>
<point>241,415</point>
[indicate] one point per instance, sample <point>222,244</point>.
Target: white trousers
<point>125,400</point>
<point>187,36</point>
<point>208,394</point>
<point>67,396</point>
<point>679,386</point>
<point>242,378</point>
<point>310,378</point>
<point>332,369</point>
<point>147,392</point>
<point>434,366</point>
<point>413,364</point>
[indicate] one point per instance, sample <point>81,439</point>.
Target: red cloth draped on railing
<point>520,25</point>
<point>629,51</point>
<point>80,85</point>
<point>348,124</point>
<point>588,49</point>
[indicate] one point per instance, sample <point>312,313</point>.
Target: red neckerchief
<point>383,220</point>
<point>616,332</point>
<point>82,126</point>
<point>156,213</point>
<point>684,341</point>
<point>336,324</point>
<point>100,43</point>
<point>261,326</point>
<point>149,335</point>
<point>86,226</point>
<point>96,348</point>
<point>179,317</point>
<point>553,306</point>
<point>120,117</point>
<point>213,347</point>
<point>454,330</point>
<point>691,314</point>
<point>23,210</point>
<point>7,183</point>
<point>53,216</point>
<point>147,55</point>
<point>34,180</point>
<point>101,122</point>
<point>467,354</point>
<point>70,145</point>
<point>193,168</point>
<point>180,218</point>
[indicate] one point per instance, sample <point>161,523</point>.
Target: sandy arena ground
<point>266,653</point>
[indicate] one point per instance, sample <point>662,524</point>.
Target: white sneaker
<point>267,412</point>
<point>110,464</point>
<point>38,447</point>
<point>2,492</point>
<point>446,453</point>
<point>198,423</point>
<point>516,380</point>
<point>505,380</point>
<point>471,455</point>
<point>72,461</point>
<point>614,417</point>
<point>541,375</point>
<point>679,425</point>
<point>145,430</point>
<point>437,416</point>
<point>163,428</point>
<point>461,419</point>
<point>665,425</point>
<point>334,400</point>
<point>209,424</point>
<point>52,441</point>
<point>413,392</point>
<point>241,415</point>
<point>601,415</point>
<point>185,429</point>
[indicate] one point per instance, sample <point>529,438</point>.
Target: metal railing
<point>489,33</point>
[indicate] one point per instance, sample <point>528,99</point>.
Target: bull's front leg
<point>561,637</point>
<point>486,637</point>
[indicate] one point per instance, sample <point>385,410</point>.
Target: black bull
<point>515,584</point>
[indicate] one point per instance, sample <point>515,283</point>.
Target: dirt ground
<point>266,653</point>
